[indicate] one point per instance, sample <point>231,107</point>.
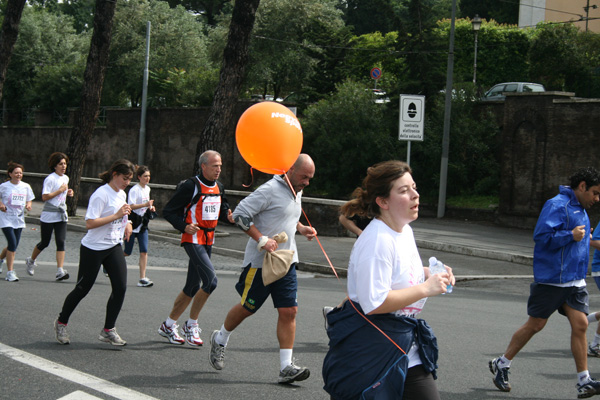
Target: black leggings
<point>60,234</point>
<point>200,269</point>
<point>419,385</point>
<point>113,261</point>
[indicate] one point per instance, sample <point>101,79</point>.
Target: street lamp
<point>476,23</point>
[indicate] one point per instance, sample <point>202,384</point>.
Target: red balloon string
<point>252,181</point>
<point>336,274</point>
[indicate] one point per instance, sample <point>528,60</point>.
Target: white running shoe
<point>192,334</point>
<point>145,282</point>
<point>171,333</point>
<point>61,276</point>
<point>60,331</point>
<point>11,276</point>
<point>30,264</point>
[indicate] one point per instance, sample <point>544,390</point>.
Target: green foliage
<point>283,51</point>
<point>473,167</point>
<point>345,134</point>
<point>369,16</point>
<point>46,68</point>
<point>177,43</point>
<point>176,87</point>
<point>505,12</point>
<point>557,59</point>
<point>501,51</point>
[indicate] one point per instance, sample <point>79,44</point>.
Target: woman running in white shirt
<point>54,214</point>
<point>15,198</point>
<point>139,200</point>
<point>106,220</point>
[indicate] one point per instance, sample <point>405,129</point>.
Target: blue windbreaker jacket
<point>363,364</point>
<point>557,257</point>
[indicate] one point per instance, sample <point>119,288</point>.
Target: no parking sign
<point>376,73</point>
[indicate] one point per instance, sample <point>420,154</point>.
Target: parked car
<point>380,96</point>
<point>497,91</point>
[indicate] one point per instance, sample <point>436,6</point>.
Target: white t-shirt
<point>139,195</point>
<point>104,202</point>
<point>14,197</point>
<point>383,260</point>
<point>52,183</point>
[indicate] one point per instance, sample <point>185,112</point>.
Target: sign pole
<point>408,152</point>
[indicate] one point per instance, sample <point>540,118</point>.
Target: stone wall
<point>545,138</point>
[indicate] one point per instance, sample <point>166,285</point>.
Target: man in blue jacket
<point>560,264</point>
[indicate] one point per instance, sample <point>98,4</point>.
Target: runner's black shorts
<point>284,292</point>
<point>545,299</point>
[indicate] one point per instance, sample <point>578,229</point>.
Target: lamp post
<point>476,23</point>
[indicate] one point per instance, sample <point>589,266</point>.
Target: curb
<point>343,272</point>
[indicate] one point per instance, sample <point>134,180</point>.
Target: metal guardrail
<point>241,193</point>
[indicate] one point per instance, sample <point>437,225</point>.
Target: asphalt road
<point>473,324</point>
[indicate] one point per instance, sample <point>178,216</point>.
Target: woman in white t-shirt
<point>387,287</point>
<point>54,214</point>
<point>15,198</point>
<point>107,221</point>
<point>139,200</point>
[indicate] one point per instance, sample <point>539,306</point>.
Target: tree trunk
<point>93,79</point>
<point>235,58</point>
<point>8,35</point>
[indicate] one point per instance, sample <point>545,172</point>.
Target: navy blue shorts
<point>545,299</point>
<point>254,293</point>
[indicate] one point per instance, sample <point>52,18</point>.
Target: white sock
<point>169,322</point>
<point>60,270</point>
<point>285,357</point>
<point>592,317</point>
<point>223,336</point>
<point>583,377</point>
<point>504,362</point>
<point>596,340</point>
<point>191,322</point>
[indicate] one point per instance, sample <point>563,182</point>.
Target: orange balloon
<point>269,137</point>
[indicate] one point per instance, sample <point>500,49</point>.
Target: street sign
<point>412,117</point>
<point>376,73</point>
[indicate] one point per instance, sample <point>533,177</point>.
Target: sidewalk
<point>462,237</point>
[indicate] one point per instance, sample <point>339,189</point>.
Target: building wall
<point>531,12</point>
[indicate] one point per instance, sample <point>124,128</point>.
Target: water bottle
<point>436,267</point>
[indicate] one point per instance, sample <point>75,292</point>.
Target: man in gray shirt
<point>271,209</point>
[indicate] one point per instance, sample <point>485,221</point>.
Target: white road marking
<point>73,375</point>
<point>79,395</point>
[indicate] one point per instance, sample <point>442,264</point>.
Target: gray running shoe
<point>11,276</point>
<point>1,262</point>
<point>145,282</point>
<point>61,276</point>
<point>111,336</point>
<point>60,331</point>
<point>293,373</point>
<point>216,356</point>
<point>30,264</point>
<point>501,378</point>
<point>588,389</point>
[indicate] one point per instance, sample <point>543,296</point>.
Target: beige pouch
<point>277,263</point>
